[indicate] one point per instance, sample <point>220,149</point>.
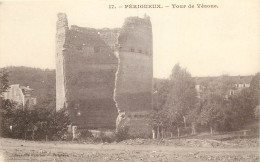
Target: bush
<point>122,133</point>
<point>107,138</point>
<point>85,133</point>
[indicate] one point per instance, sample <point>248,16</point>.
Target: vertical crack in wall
<point>116,77</point>
<point>134,80</point>
<point>120,114</point>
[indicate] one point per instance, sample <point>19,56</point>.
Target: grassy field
<point>176,150</point>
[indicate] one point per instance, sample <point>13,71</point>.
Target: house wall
<point>14,93</point>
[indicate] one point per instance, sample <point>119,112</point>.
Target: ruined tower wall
<point>103,72</point>
<point>89,68</point>
<point>61,38</point>
<point>133,93</point>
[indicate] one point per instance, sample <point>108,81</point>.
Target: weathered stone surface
<point>133,93</point>
<point>104,75</point>
<point>86,68</point>
<point>62,32</point>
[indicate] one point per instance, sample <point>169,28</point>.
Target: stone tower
<point>101,73</point>
<point>85,75</point>
<point>133,93</point>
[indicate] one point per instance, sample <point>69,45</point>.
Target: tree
<point>159,121</point>
<point>215,106</point>
<point>181,99</point>
<point>36,123</point>
<point>6,105</point>
<point>242,109</point>
<point>193,117</point>
<point>255,89</point>
<point>59,124</point>
<point>159,118</point>
<point>232,113</point>
<point>244,105</point>
<point>161,90</point>
<point>211,113</point>
<point>6,117</point>
<point>4,82</point>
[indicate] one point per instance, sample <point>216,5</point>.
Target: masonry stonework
<point>133,93</point>
<point>105,75</point>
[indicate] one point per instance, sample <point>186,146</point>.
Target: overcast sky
<point>208,42</point>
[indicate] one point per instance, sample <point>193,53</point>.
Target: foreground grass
<point>129,150</point>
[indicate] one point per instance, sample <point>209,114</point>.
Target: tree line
<point>180,109</point>
<point>177,108</point>
<point>36,123</point>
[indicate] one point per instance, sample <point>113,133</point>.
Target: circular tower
<point>133,93</point>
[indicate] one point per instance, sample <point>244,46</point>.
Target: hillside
<point>42,81</point>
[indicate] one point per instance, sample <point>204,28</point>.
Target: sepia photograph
<point>132,80</point>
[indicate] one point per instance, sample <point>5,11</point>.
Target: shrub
<point>122,133</point>
<point>107,138</point>
<point>85,133</point>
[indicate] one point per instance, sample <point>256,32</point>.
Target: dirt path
<point>14,150</point>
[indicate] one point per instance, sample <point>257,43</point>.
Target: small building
<point>234,84</point>
<point>20,94</point>
<point>239,83</point>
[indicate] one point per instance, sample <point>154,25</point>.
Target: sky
<point>207,42</point>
